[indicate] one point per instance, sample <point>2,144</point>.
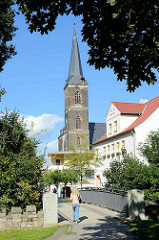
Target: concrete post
<point>136,206</point>
<point>50,209</point>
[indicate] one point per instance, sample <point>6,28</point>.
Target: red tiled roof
<point>148,109</point>
<point>102,138</point>
<point>129,107</point>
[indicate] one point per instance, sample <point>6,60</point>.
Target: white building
<point>128,124</point>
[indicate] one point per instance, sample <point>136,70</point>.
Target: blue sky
<point>34,80</point>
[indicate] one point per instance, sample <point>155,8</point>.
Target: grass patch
<point>69,230</point>
<point>31,234</point>
<point>143,230</point>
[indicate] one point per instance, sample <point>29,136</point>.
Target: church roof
<point>149,108</point>
<point>96,131</point>
<point>75,75</point>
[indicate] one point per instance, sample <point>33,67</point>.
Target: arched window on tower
<point>78,122</point>
<point>77,97</point>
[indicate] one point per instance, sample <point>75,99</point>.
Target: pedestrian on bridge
<point>75,204</point>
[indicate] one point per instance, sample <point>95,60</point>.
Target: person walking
<point>75,204</point>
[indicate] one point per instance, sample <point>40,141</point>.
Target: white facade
<point>125,130</point>
<point>151,124</point>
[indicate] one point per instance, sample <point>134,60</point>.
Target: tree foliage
<point>60,176</point>
<point>81,159</point>
<point>2,92</point>
<point>122,35</point>
<point>130,173</point>
<point>69,176</point>
<point>7,31</point>
<point>52,177</point>
<point>127,173</point>
<point>150,148</point>
<point>20,167</point>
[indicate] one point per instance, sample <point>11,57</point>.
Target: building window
<point>77,97</point>
<point>115,126</point>
<point>110,128</point>
<point>112,150</point>
<point>78,122</point>
<point>123,144</point>
<point>117,147</point>
<point>108,151</point>
<point>78,141</point>
<point>112,111</point>
<point>57,162</point>
<point>104,152</point>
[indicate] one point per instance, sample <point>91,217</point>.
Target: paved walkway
<point>95,223</point>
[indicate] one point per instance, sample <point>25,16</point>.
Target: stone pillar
<point>136,205</point>
<point>50,209</point>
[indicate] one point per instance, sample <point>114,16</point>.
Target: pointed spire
<point>75,71</point>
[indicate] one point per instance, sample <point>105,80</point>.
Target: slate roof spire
<point>75,75</point>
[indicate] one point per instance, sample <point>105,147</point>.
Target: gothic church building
<point>76,107</point>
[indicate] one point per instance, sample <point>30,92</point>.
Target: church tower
<point>76,104</point>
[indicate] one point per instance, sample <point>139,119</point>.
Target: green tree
<point>52,177</point>
<point>81,159</point>
<point>7,31</point>
<point>20,166</point>
<point>150,148</point>
<point>129,173</point>
<point>69,176</point>
<point>56,177</point>
<point>2,92</point>
<point>122,35</point>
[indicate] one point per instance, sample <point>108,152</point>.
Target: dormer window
<point>77,97</point>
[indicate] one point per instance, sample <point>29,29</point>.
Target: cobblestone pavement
<point>95,223</point>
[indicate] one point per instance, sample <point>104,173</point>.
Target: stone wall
<point>18,220</point>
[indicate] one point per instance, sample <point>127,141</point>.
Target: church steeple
<point>76,104</point>
<point>75,75</point>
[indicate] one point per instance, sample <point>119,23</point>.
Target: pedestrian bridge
<point>95,223</point>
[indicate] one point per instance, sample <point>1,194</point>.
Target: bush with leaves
<point>20,166</point>
<point>130,173</point>
<point>150,148</point>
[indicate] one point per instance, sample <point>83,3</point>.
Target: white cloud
<point>43,124</point>
<point>143,100</point>
<point>50,147</point>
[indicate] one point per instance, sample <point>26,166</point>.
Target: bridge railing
<point>114,199</point>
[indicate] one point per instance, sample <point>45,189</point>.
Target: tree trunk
<point>64,191</point>
<point>81,180</point>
